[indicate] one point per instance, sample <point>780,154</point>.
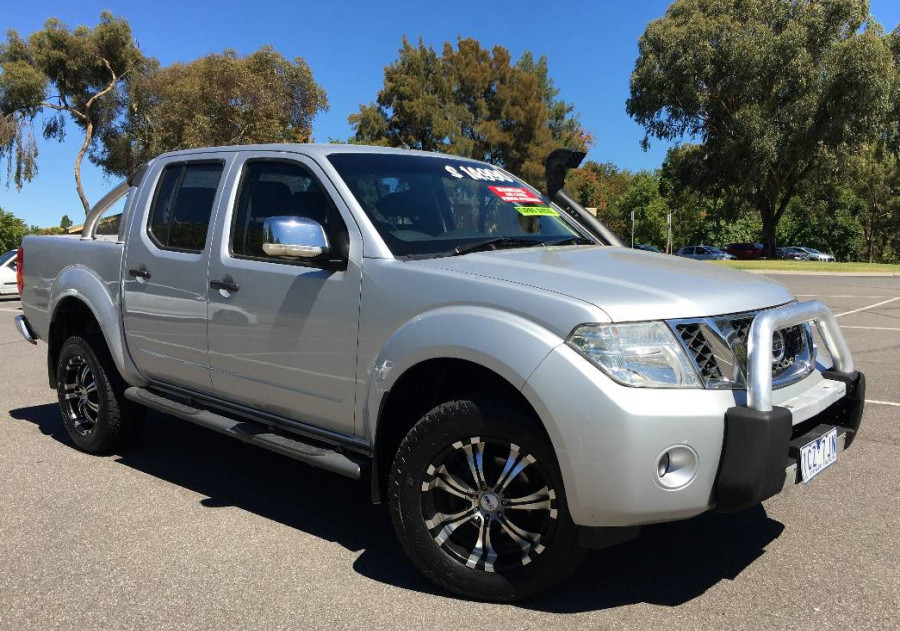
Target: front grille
<point>718,348</point>
<point>741,326</point>
<point>700,349</point>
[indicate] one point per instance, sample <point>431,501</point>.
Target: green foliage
<point>650,210</point>
<point>65,223</point>
<point>775,91</point>
<point>12,231</point>
<point>219,99</point>
<point>828,223</point>
<point>67,71</point>
<point>473,102</point>
<point>745,227</point>
<point>565,124</point>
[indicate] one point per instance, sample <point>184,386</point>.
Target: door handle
<point>227,285</point>
<point>141,272</point>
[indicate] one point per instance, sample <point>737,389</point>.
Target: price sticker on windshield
<point>515,194</point>
<point>537,211</point>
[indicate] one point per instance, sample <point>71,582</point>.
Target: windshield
<point>432,206</point>
<point>6,256</point>
<point>812,250</point>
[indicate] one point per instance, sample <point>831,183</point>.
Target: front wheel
<point>478,502</point>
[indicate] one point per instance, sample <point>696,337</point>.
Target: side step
<point>253,433</point>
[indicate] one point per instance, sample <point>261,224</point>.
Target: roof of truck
<point>321,149</point>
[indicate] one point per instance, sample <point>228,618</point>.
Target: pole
<point>632,229</point>
<point>669,236</point>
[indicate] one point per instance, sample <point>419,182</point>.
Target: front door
<point>165,287</point>
<point>283,333</point>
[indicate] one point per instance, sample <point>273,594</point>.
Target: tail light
<point>20,269</point>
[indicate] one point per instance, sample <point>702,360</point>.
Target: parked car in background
<point>745,251</point>
<point>647,248</point>
<point>704,253</point>
<point>8,273</point>
<point>814,255</point>
<point>790,253</point>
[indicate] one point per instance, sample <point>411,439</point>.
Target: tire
<point>482,540</point>
<point>97,417</point>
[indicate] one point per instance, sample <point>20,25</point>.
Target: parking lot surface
<point>191,530</point>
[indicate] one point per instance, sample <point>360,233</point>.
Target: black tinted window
<point>272,189</point>
<point>179,219</point>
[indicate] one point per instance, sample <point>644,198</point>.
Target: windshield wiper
<point>496,244</point>
<point>571,241</point>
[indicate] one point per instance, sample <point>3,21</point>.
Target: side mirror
<point>294,237</point>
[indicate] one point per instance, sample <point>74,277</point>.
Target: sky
<point>591,47</point>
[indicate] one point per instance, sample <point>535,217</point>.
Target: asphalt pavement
<point>192,530</point>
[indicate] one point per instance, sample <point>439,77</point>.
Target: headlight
<point>641,354</point>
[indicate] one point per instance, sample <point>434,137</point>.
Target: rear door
<point>284,340</point>
<point>165,288</point>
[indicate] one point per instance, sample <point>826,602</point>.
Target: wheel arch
<point>426,385</point>
<point>81,303</point>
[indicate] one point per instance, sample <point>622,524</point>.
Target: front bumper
<point>609,438</point>
<point>761,451</point>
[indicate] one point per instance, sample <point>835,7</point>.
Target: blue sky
<point>591,48</point>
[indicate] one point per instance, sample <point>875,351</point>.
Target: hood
<point>629,285</point>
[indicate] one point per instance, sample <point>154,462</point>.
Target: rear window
<point>182,205</point>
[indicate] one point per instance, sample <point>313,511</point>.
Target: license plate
<point>818,455</point>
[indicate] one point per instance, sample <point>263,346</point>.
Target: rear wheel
<point>95,412</point>
<point>478,503</point>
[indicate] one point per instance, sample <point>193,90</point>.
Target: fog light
<point>676,467</point>
<point>663,467</point>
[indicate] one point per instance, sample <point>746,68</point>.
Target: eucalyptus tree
<point>70,74</point>
<point>772,90</point>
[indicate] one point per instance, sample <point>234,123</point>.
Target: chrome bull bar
<point>759,346</point>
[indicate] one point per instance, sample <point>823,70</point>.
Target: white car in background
<point>814,255</point>
<point>8,273</point>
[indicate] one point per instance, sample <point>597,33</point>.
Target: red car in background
<point>745,251</point>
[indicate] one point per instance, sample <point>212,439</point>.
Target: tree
<point>65,223</point>
<point>827,217</point>
<point>473,102</point>
<point>75,72</point>
<point>12,231</point>
<point>565,124</point>
<point>650,210</point>
<point>602,186</point>
<point>774,90</point>
<point>219,99</point>
<point>416,107</point>
<point>873,174</point>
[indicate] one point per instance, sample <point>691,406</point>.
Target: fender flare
<point>83,284</point>
<point>501,341</point>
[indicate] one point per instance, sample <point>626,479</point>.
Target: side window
<point>689,250</point>
<point>272,189</point>
<point>182,205</point>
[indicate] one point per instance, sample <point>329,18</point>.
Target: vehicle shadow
<point>669,564</point>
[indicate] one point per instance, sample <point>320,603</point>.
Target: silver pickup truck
<point>514,383</point>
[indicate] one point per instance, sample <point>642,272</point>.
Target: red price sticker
<point>515,194</point>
